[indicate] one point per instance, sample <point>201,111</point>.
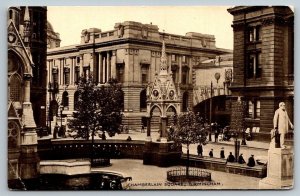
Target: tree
<point>99,108</point>
<point>190,129</point>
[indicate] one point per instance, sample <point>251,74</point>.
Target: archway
<point>65,99</point>
<point>171,116</point>
<point>155,114</point>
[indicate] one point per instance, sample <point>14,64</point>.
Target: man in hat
<point>282,122</point>
<point>222,153</point>
<point>230,157</point>
<point>241,159</point>
<point>200,150</point>
<point>211,154</point>
<point>251,161</point>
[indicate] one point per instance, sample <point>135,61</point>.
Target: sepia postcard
<point>150,98</point>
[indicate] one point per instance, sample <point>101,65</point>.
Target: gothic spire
<point>26,15</point>
<point>163,60</point>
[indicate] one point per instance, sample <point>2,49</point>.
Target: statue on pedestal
<point>281,123</point>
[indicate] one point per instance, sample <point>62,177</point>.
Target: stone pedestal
<point>161,154</point>
<point>280,169</point>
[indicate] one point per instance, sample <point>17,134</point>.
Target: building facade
<point>263,63</point>
<point>130,53</point>
<point>26,88</point>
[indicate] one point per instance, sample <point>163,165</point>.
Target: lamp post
<point>61,110</point>
<point>210,110</point>
<point>50,90</point>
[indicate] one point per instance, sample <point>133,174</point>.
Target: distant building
<point>212,79</point>
<point>263,63</point>
<point>131,54</point>
<point>53,38</point>
<point>26,88</point>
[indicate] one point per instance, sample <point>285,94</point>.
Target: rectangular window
<point>77,74</point>
<point>185,75</point>
<point>254,33</point>
<point>67,76</point>
<point>257,109</point>
<point>173,57</point>
<point>144,72</point>
<point>250,109</point>
<point>253,109</point>
<point>120,72</point>
<point>254,67</point>
<point>78,60</point>
<point>184,59</point>
<point>55,75</point>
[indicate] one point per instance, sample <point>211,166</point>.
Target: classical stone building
<point>130,53</point>
<point>263,63</point>
<point>26,88</point>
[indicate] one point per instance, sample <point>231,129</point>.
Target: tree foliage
<point>99,108</point>
<point>190,129</point>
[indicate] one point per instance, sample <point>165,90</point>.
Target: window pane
<point>250,109</point>
<point>257,111</point>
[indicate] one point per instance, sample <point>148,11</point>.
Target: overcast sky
<point>215,20</point>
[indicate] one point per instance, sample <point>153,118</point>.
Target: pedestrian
<point>55,131</point>
<point>217,132</point>
<point>251,161</point>
<point>200,150</point>
<point>281,122</point>
<point>129,138</point>
<point>211,154</point>
<point>222,153</point>
<point>230,157</point>
<point>241,159</point>
<point>142,129</point>
<point>103,136</point>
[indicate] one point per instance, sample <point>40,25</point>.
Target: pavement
<point>153,177</point>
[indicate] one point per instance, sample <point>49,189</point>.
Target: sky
<point>69,21</point>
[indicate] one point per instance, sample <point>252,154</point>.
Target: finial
<point>26,15</point>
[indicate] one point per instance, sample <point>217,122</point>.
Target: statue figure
<point>281,122</point>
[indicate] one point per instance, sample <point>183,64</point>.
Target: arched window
<point>185,101</point>
<point>76,97</point>
<point>65,99</point>
<point>13,134</point>
<point>143,100</point>
<point>15,80</point>
<point>15,92</point>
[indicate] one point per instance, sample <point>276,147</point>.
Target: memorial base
<point>161,154</point>
<point>280,169</point>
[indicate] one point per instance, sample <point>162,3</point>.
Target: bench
<point>218,164</point>
<point>259,171</point>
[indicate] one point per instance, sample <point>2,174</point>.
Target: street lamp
<point>61,111</point>
<point>50,90</point>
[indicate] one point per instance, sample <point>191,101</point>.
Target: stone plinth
<point>67,167</point>
<point>161,154</point>
<point>280,169</point>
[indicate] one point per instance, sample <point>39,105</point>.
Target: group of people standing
<point>230,158</point>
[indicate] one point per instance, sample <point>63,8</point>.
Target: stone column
<point>164,133</point>
<point>100,69</point>
<point>29,161</point>
<point>81,65</point>
<point>148,129</point>
<point>113,64</point>
<point>104,69</point>
<point>108,74</point>
<point>180,70</point>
